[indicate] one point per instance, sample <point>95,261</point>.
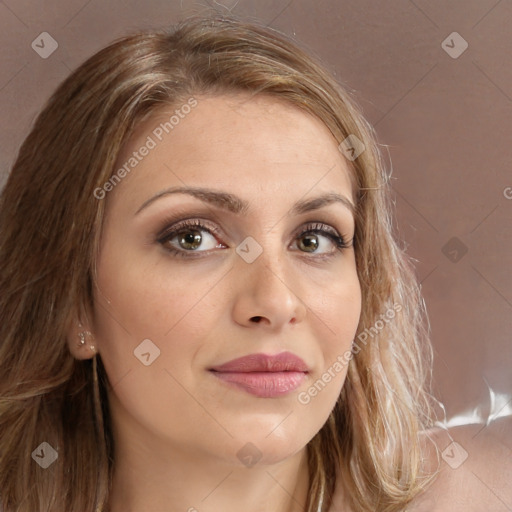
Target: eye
<point>189,237</point>
<point>195,238</point>
<point>319,238</point>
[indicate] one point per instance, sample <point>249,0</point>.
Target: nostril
<point>256,319</point>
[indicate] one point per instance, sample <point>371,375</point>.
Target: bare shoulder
<point>473,467</point>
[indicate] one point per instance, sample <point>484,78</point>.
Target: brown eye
<point>321,240</point>
<point>309,243</point>
<point>191,240</point>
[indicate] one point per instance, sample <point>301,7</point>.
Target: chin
<point>257,448</point>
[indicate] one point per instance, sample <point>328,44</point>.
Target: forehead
<point>255,146</point>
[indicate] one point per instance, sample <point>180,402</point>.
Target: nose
<point>265,296</point>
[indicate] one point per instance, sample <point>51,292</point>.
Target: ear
<point>80,338</point>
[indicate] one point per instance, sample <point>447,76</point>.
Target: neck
<point>150,476</point>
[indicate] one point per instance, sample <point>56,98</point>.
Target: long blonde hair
<point>50,222</point>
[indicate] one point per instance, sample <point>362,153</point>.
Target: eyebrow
<point>234,204</point>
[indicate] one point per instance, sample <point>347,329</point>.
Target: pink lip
<point>262,375</point>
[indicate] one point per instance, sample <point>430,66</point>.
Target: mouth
<point>262,375</point>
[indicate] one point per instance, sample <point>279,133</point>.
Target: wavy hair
<point>50,221</point>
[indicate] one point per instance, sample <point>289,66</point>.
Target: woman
<point>203,305</point>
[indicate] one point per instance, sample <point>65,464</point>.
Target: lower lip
<point>264,384</point>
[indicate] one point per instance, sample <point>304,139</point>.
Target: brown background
<point>444,124</point>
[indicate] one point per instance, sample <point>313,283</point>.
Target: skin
<point>177,427</point>
<point>474,467</point>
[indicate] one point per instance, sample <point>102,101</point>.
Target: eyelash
<point>317,228</point>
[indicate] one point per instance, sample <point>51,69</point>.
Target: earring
<point>81,342</point>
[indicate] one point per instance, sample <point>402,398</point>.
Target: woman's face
<point>247,262</point>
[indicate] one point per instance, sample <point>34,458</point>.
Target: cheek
<point>147,300</point>
<point>336,309</point>
<point>339,312</point>
<point>342,312</point>
<point>134,304</point>
<point>334,316</point>
<point>137,301</point>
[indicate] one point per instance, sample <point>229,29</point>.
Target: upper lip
<point>283,362</point>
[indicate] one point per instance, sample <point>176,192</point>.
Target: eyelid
<point>189,222</point>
